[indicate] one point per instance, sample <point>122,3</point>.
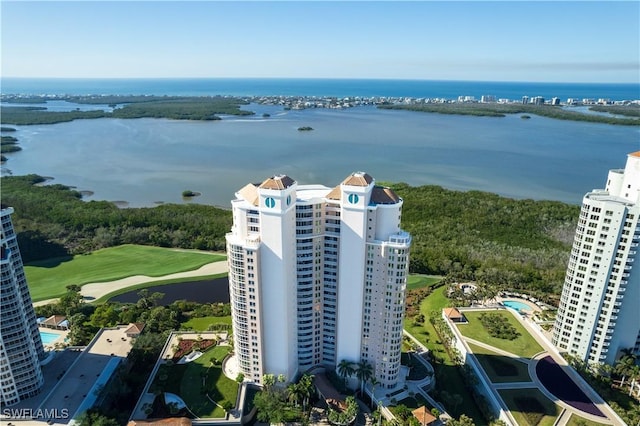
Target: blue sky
<point>501,41</point>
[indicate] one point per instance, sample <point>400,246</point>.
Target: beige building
<point>317,275</point>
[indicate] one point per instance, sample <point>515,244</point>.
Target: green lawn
<point>500,369</point>
<point>530,407</point>
<point>48,279</point>
<point>524,345</point>
<point>425,333</point>
<point>452,380</point>
<point>418,281</point>
<point>575,420</point>
<point>191,381</point>
<point>203,323</point>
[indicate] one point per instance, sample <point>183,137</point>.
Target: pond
<point>207,291</point>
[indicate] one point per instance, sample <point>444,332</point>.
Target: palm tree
<point>294,391</point>
<point>634,375</point>
<point>306,386</point>
<point>268,380</point>
<point>364,373</point>
<point>345,369</point>
<point>624,366</point>
<point>374,382</point>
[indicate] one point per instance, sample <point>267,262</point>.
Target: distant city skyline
<point>593,41</point>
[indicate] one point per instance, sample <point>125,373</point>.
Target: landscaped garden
<point>499,368</point>
<point>448,375</point>
<point>48,279</point>
<point>530,407</point>
<point>523,345</point>
<point>200,382</point>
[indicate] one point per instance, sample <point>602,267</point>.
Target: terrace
<point>513,359</point>
<point>190,372</point>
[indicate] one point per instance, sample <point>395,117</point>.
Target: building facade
<point>599,316</point>
<point>317,275</point>
<point>20,344</point>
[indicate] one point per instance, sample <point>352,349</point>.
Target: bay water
<point>146,161</point>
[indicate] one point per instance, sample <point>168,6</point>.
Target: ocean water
<point>318,87</point>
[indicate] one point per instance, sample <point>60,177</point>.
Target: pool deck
<point>62,335</point>
<point>532,306</point>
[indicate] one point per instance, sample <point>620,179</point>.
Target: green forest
<point>171,107</point>
<point>501,110</point>
<point>516,244</point>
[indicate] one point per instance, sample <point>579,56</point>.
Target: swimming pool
<point>518,306</point>
<point>48,338</point>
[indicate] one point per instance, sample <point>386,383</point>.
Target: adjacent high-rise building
<point>317,275</point>
<point>599,312</point>
<point>20,344</point>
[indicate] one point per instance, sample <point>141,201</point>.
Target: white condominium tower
<point>20,343</point>
<point>317,275</point>
<point>599,312</point>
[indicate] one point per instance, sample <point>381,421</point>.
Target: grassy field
<point>524,345</point>
<point>530,407</point>
<point>575,420</point>
<point>418,281</point>
<point>203,323</point>
<point>48,279</point>
<point>500,369</point>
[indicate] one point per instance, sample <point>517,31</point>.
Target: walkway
<point>548,350</point>
<point>93,291</point>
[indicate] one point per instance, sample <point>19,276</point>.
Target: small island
<point>188,194</point>
<point>525,117</point>
<point>305,128</point>
<point>9,144</point>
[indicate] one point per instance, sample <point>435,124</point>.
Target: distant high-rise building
<point>317,275</point>
<point>20,344</point>
<point>537,100</point>
<point>599,312</point>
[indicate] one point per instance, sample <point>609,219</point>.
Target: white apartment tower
<point>599,312</point>
<point>20,343</point>
<point>317,275</point>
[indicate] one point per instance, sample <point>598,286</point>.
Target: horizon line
<point>319,78</point>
